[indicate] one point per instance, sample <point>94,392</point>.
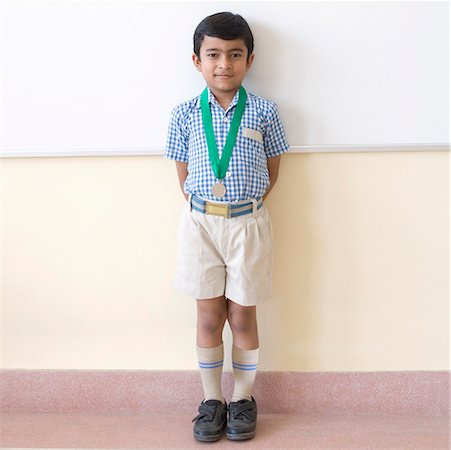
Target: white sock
<point>244,369</point>
<point>210,364</point>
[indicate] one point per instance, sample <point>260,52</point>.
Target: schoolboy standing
<point>227,145</point>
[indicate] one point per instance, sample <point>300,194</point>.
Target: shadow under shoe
<point>211,421</point>
<point>242,420</point>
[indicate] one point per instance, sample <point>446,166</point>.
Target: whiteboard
<point>101,78</point>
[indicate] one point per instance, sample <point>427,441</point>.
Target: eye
<point>212,55</point>
<point>236,55</point>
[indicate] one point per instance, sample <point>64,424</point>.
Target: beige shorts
<point>219,256</point>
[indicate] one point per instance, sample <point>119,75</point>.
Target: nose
<point>225,62</point>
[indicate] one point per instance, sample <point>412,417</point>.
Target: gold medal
<point>218,190</point>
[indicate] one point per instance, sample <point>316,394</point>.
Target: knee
<point>211,322</point>
<point>242,322</point>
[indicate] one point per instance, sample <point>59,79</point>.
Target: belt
<point>227,210</point>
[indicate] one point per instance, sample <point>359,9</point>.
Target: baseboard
<point>387,393</point>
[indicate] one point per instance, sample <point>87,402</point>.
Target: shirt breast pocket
<point>250,149</point>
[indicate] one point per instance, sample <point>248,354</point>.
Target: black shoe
<point>211,421</point>
<point>242,420</point>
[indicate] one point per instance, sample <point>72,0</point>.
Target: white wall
<point>99,78</point>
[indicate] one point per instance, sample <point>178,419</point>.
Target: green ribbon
<point>220,166</point>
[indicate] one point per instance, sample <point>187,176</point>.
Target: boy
<point>227,145</point>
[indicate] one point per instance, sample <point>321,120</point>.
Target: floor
<point>274,431</point>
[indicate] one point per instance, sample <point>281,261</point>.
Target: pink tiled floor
<point>274,431</point>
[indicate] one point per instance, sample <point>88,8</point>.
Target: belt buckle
<point>216,209</point>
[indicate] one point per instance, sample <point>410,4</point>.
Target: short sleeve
<point>177,139</point>
<point>274,140</point>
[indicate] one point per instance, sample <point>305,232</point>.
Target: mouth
<point>223,75</point>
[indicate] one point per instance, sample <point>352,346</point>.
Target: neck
<point>224,98</point>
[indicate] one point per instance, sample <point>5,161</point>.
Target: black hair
<point>224,25</point>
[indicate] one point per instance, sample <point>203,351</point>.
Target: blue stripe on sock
<point>244,366</point>
<point>210,365</point>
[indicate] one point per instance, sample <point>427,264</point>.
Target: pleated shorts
<point>225,256</point>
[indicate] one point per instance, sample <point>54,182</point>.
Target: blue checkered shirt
<point>247,176</point>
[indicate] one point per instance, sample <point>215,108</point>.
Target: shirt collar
<point>212,100</point>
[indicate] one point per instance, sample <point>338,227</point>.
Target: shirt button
<point>226,119</point>
<point>228,174</point>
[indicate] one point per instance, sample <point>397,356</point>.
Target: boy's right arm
<point>182,172</point>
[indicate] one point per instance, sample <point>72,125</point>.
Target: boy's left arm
<point>273,169</point>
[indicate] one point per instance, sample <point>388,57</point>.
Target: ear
<point>250,61</point>
<point>197,62</point>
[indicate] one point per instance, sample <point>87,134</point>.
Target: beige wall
<point>361,264</point>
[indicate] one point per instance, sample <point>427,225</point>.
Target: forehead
<point>210,43</point>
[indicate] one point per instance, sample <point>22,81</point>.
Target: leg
<point>211,421</point>
<point>243,322</point>
<point>211,316</point>
<point>243,408</point>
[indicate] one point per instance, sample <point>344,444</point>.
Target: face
<point>223,64</point>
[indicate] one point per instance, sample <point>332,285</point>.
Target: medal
<point>220,166</point>
<point>218,189</point>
